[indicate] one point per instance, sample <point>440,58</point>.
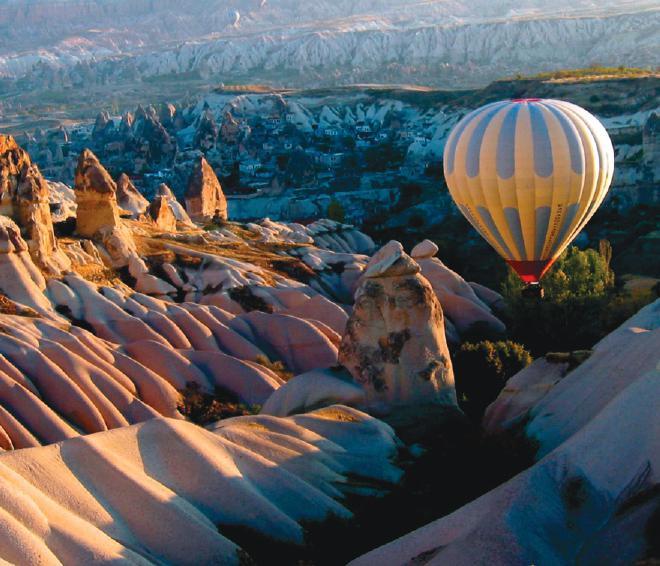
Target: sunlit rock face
<point>128,197</point>
<point>96,195</point>
<point>394,345</point>
<point>161,213</point>
<point>177,208</point>
<point>20,279</point>
<point>461,304</point>
<point>169,492</point>
<point>24,197</point>
<point>204,196</point>
<point>98,212</point>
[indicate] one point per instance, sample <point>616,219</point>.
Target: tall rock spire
<point>204,196</point>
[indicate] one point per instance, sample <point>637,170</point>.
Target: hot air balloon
<point>528,174</point>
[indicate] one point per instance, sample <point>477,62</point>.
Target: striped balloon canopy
<point>528,174</point>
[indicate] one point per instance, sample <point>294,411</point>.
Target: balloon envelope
<point>528,174</point>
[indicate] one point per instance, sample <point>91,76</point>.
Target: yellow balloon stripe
<point>601,168</point>
<point>590,175</point>
<point>470,188</point>
<point>525,182</point>
<point>497,201</point>
<point>556,189</point>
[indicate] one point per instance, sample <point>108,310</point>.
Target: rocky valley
<point>368,156</point>
<point>385,41</point>
<point>364,282</point>
<point>179,387</point>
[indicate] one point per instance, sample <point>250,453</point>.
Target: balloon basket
<point>533,291</point>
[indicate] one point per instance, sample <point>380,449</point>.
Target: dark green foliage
<point>383,157</point>
<point>277,367</point>
<point>292,267</point>
<point>336,211</point>
<point>434,170</point>
<point>282,161</point>
<point>449,473</point>
<point>248,300</point>
<point>633,235</point>
<point>416,220</point>
<point>481,330</point>
<point>595,70</point>
<point>573,359</point>
<point>411,194</point>
<point>482,369</point>
<point>204,408</point>
<point>576,274</point>
<point>580,307</point>
<point>573,492</point>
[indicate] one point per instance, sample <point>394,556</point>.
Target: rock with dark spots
<point>204,197</point>
<point>394,345</point>
<point>391,260</point>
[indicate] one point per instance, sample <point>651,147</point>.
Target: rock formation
<point>178,210</point>
<point>461,304</point>
<point>207,132</point>
<point>161,213</point>
<point>128,197</point>
<point>98,216</point>
<point>150,134</point>
<point>166,114</point>
<point>230,129</point>
<point>170,492</point>
<point>96,195</point>
<point>394,345</point>
<point>204,196</point>
<point>592,495</point>
<point>126,125</point>
<point>62,200</point>
<point>102,126</point>
<point>20,280</point>
<point>24,196</point>
<point>96,366</point>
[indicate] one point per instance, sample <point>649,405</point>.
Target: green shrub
<point>277,367</point>
<point>482,369</point>
<point>336,211</point>
<point>248,300</point>
<point>204,408</point>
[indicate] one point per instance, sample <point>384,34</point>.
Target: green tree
<point>577,290</point>
<point>482,369</point>
<point>336,211</point>
<point>383,157</point>
<point>576,274</point>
